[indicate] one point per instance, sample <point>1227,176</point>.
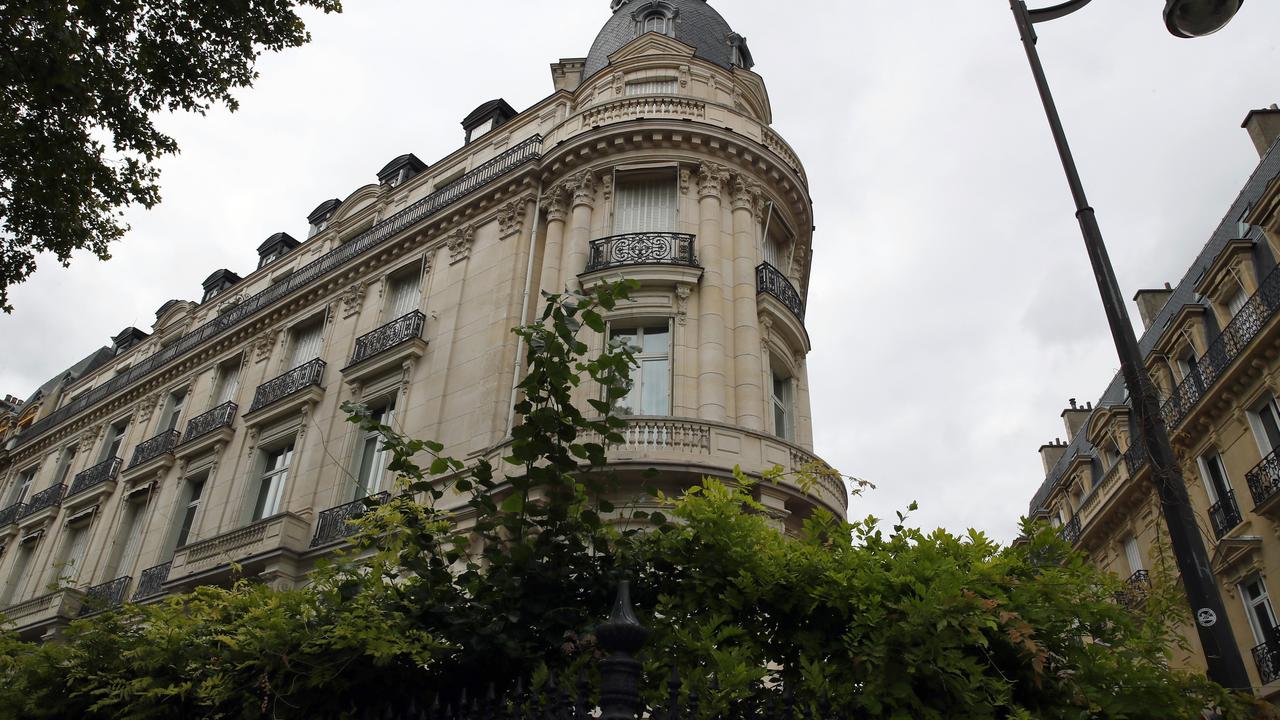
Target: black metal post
<point>622,637</point>
<point>1222,655</point>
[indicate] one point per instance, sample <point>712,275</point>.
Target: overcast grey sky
<point>952,309</point>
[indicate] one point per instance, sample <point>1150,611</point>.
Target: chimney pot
<point>1073,403</point>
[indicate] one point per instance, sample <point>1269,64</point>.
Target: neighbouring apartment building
<point>1211,345</point>
<point>157,463</point>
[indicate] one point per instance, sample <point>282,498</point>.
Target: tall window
<point>173,409</point>
<point>66,569</point>
<point>228,382</point>
<point>1237,301</point>
<point>402,292</point>
<point>65,463</point>
<point>129,539</point>
<point>304,342</point>
<point>275,471</point>
<point>1214,476</point>
<point>17,573</point>
<point>1257,604</point>
<point>644,203</point>
<point>1266,426</point>
<point>371,458</point>
<point>650,391</point>
<point>115,438</point>
<point>783,408</point>
<point>1132,554</point>
<point>22,486</point>
<point>189,511</point>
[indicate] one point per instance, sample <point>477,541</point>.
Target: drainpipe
<point>524,309</point>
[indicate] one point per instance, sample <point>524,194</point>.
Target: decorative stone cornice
<point>460,242</point>
<point>711,180</point>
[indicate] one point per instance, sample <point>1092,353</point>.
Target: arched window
<point>656,21</point>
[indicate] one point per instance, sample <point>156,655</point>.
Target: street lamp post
<point>1184,18</point>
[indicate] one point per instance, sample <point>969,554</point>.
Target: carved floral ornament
<point>554,203</point>
<point>583,187</point>
<point>352,298</point>
<point>683,291</point>
<point>711,180</point>
<point>262,345</point>
<point>511,218</point>
<point>459,242</point>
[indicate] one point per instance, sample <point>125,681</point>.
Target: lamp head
<point>1197,18</point>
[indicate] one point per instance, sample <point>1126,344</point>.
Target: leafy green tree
<point>79,84</point>
<point>475,574</point>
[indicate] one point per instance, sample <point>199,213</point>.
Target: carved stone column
<point>712,323</point>
<point>574,259</point>
<point>748,395</point>
<point>554,202</point>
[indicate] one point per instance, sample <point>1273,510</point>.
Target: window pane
<point>188,519</point>
<point>227,383</point>
<point>365,477</point>
<point>644,206</point>
<point>306,344</point>
<point>655,386</point>
<point>1270,426</point>
<point>655,340</point>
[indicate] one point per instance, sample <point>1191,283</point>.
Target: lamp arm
<point>1056,11</point>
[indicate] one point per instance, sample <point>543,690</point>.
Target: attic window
<point>482,128</point>
<point>658,21</point>
<point>665,86</point>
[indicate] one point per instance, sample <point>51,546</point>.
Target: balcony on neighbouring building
<point>104,472</point>
<point>1224,515</point>
<point>286,394</point>
<point>334,524</point>
<point>1136,589</point>
<point>151,581</point>
<point>1071,531</point>
<point>1264,483</point>
<point>43,503</point>
<point>1267,658</point>
<point>207,430</point>
<point>771,281</point>
<point>158,446</point>
<point>1256,313</point>
<point>645,248</point>
<point>105,596</point>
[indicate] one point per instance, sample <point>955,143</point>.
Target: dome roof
<point>695,23</point>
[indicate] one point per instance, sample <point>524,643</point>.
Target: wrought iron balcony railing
<point>216,418</point>
<point>1135,458</point>
<point>151,580</point>
<point>1267,657</point>
<point>104,596</point>
<point>50,497</point>
<point>1071,531</point>
<point>770,279</point>
<point>514,158</point>
<point>297,379</point>
<point>1224,349</point>
<point>162,444</point>
<point>334,523</point>
<point>646,248</point>
<point>11,513</point>
<point>104,471</point>
<point>401,330</point>
<point>1136,589</point>
<point>1264,478</point>
<point>1224,515</point>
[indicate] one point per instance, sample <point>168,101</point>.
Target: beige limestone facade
<point>1212,350</point>
<point>216,440</point>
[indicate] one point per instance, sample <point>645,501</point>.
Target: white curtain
<point>227,383</point>
<point>644,206</point>
<point>306,343</point>
<point>403,295</point>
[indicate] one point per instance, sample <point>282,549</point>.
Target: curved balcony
<point>771,281</point>
<point>703,447</point>
<point>646,248</point>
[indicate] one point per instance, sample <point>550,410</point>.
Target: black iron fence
<point>1136,589</point>
<point>1135,458</point>
<point>1224,349</point>
<point>1264,478</point>
<point>1267,658</point>
<point>206,423</point>
<point>646,248</point>
<point>151,581</point>
<point>1224,515</point>
<point>104,471</point>
<point>11,513</point>
<point>398,331</point>
<point>1071,531</point>
<point>770,280</point>
<point>162,444</point>
<point>104,596</point>
<point>515,157</point>
<point>279,388</point>
<point>335,523</point>
<point>52,497</point>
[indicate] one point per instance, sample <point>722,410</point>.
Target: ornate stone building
<point>1212,348</point>
<point>217,437</point>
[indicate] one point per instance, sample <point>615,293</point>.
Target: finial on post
<point>621,636</point>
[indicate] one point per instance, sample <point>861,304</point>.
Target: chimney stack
<point>1051,453</point>
<point>1075,417</point>
<point>1149,303</point>
<point>1263,127</point>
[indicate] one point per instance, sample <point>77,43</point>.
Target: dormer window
<point>657,21</point>
<point>400,169</point>
<point>486,118</point>
<point>127,338</point>
<point>218,282</point>
<point>319,218</point>
<point>275,247</point>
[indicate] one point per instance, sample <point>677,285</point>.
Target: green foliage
<point>78,86</point>
<point>474,573</point>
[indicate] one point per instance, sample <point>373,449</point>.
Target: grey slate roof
<point>1183,294</point>
<point>93,361</point>
<point>696,24</point>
